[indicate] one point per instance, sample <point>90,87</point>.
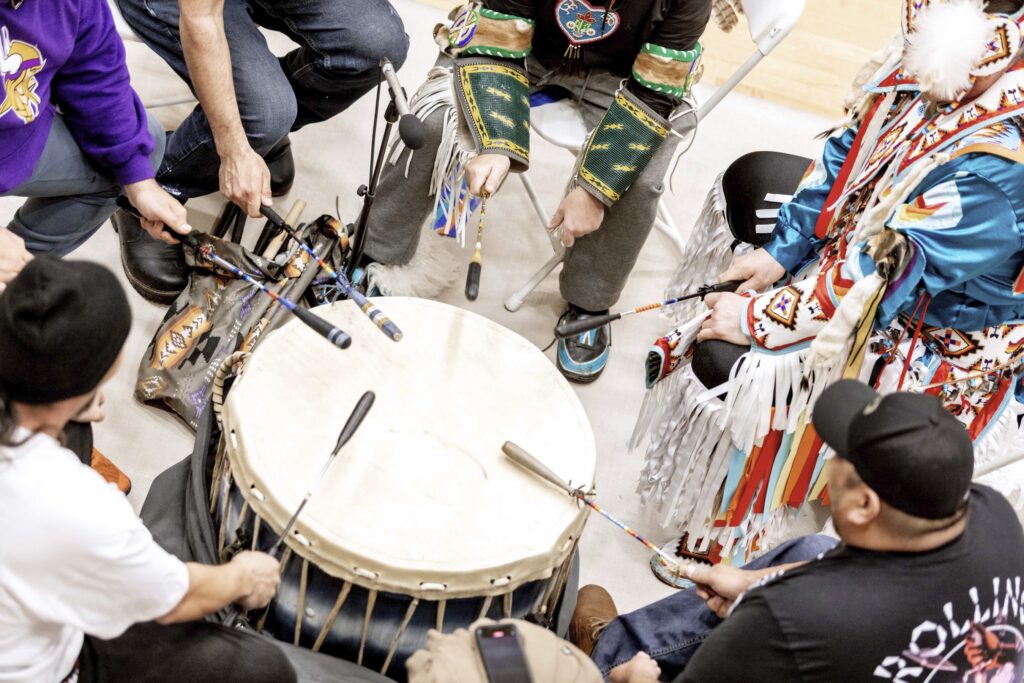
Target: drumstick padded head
<point>521,457</point>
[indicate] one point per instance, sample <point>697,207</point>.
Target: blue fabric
<point>671,629</point>
<point>341,44</point>
<point>967,264</point>
<point>793,242</point>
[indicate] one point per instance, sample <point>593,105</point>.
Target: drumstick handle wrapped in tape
<point>375,315</point>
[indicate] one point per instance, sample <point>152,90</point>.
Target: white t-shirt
<point>74,559</point>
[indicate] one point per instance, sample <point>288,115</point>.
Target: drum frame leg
<point>256,526</point>
<point>398,636</point>
<point>506,605</point>
<point>286,557</point>
<point>332,616</point>
<point>486,607</point>
<point>370,602</point>
<point>300,608</point>
<point>216,485</point>
<point>441,604</point>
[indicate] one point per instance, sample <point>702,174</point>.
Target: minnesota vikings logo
<point>19,64</point>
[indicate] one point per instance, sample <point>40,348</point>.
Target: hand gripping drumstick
<point>372,312</point>
<point>335,336</point>
<point>579,326</point>
<point>476,264</point>
<point>354,420</point>
<point>522,458</point>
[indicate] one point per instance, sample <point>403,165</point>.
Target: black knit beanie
<point>62,325</point>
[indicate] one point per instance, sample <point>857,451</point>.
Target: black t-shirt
<point>858,615</point>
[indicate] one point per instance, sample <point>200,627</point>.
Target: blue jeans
<point>671,629</point>
<point>341,43</point>
<point>69,198</point>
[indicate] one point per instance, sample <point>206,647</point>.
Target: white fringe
<point>435,265</point>
<point>832,341</point>
<point>706,255</point>
<point>1003,438</point>
<point>662,396</point>
<point>433,268</point>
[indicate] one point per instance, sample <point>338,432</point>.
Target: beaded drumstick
<point>375,315</point>
<point>521,457</point>
<point>476,264</point>
<point>334,335</point>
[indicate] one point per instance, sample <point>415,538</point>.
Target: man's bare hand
<point>727,309</point>
<point>245,180</point>
<point>486,173</point>
<point>158,209</point>
<point>13,256</point>
<point>258,575</point>
<point>758,270</point>
<point>640,669</point>
<point>579,214</point>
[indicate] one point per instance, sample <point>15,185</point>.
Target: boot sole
<point>156,296</point>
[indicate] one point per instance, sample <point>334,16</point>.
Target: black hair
<point>8,422</point>
<point>1003,6</point>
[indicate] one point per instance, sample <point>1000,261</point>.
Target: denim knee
<point>156,129</point>
<point>382,35</point>
<point>274,120</point>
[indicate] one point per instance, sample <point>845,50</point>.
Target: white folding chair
<point>561,124</point>
<point>128,36</point>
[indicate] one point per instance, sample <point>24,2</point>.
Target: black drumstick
<point>354,420</point>
<point>566,330</point>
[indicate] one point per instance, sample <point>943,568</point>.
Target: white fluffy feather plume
<point>948,41</point>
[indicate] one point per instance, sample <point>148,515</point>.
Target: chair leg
<point>538,205</point>
<point>664,224</point>
<point>514,302</point>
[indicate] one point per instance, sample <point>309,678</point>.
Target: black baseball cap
<point>916,456</point>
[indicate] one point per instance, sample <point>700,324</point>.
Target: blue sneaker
<point>361,281</point>
<point>582,358</point>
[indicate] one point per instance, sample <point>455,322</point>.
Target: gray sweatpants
<point>68,198</point>
<point>597,267</point>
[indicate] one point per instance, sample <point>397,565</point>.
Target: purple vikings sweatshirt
<point>67,54</point>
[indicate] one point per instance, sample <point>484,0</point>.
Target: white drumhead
<point>423,493</point>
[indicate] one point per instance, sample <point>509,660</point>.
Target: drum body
<point>420,522</point>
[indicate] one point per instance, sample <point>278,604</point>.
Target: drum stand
<point>369,192</point>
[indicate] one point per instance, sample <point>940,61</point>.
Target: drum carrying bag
<point>215,316</point>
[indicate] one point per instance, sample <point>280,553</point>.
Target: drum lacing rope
<point>232,365</point>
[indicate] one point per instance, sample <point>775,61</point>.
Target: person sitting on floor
<point>74,134</point>
<point>925,585</point>
<point>86,594</point>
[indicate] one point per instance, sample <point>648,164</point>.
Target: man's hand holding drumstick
<point>486,172</point>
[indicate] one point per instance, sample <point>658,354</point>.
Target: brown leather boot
<point>594,609</point>
<point>110,472</point>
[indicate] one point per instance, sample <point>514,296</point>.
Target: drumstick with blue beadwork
<point>334,335</point>
<point>365,305</point>
<point>524,459</point>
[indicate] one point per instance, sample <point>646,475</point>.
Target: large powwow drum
<point>420,522</point>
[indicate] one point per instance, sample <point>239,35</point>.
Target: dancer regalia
<point>904,246</point>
